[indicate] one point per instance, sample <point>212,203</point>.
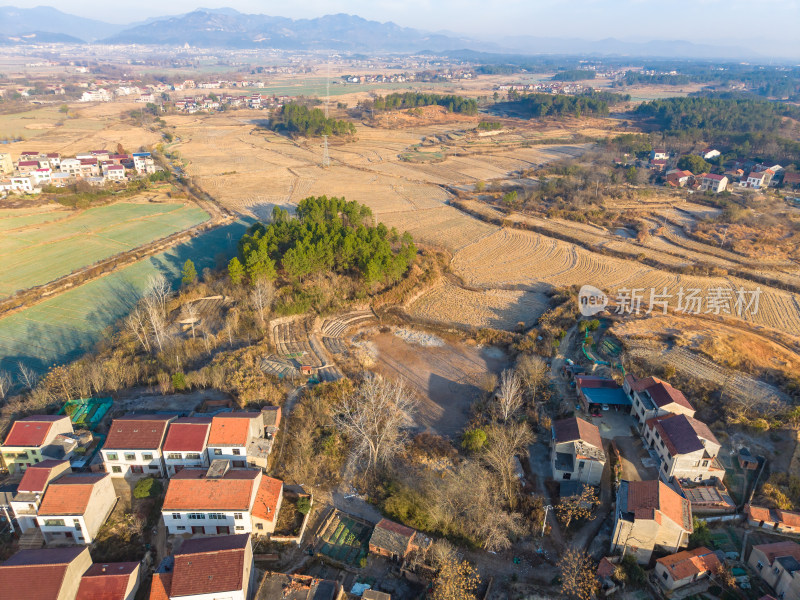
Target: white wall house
<point>686,447</point>
<point>185,444</point>
<point>220,500</point>
<point>133,446</point>
<point>651,397</point>
<point>75,506</point>
<point>30,490</point>
<point>230,435</point>
<point>576,451</point>
<point>31,438</point>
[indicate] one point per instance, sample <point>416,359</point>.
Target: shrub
<point>303,505</point>
<point>179,382</point>
<point>147,488</point>
<point>473,440</point>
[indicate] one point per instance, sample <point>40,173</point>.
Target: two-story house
<point>650,514</point>
<point>185,444</point>
<point>230,435</point>
<point>29,439</point>
<point>31,488</point>
<point>207,568</point>
<point>778,565</point>
<point>44,573</point>
<point>75,506</point>
<point>651,397</point>
<point>133,446</point>
<point>576,451</point>
<point>714,183</point>
<point>686,447</point>
<point>221,501</point>
<point>686,567</point>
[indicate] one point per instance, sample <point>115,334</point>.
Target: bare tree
<point>261,296</point>
<point>6,383</point>
<point>159,290</point>
<point>533,372</point>
<point>508,400</point>
<point>190,311</point>
<point>27,376</point>
<point>157,326</point>
<point>374,417</point>
<point>578,580</point>
<point>578,506</point>
<point>136,324</point>
<point>456,581</point>
<point>506,442</point>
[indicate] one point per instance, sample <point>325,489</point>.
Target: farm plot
<point>42,252</point>
<point>444,227</point>
<point>446,377</point>
<point>297,346</point>
<point>345,540</point>
<point>497,309</point>
<point>11,219</point>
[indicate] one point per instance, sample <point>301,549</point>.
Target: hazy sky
<point>765,25</point>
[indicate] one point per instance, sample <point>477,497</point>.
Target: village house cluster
<point>657,515</point>
<point>736,175</point>
<point>34,170</point>
<point>192,105</point>
<point>547,87</point>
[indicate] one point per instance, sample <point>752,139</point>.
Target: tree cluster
<point>309,122</point>
<point>574,75</point>
<point>457,104</point>
<point>544,105</point>
<point>328,235</point>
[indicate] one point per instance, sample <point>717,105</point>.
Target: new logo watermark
<point>591,300</point>
<point>690,301</point>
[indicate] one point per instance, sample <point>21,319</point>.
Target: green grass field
<point>63,328</point>
<point>38,251</point>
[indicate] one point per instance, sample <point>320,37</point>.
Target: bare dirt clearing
<point>447,377</point>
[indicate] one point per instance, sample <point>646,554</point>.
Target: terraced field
<point>40,252</point>
<point>497,309</point>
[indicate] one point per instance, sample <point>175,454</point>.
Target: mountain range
<point>228,28</point>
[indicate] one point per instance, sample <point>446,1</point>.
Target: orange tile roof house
<point>185,444</point>
<point>686,447</point>
<point>222,501</point>
<point>75,506</point>
<point>778,565</point>
<point>203,568</point>
<point>686,567</point>
<point>133,446</point>
<point>44,574</point>
<point>651,397</point>
<point>576,451</point>
<point>31,488</point>
<point>650,514</point>
<point>773,518</point>
<point>232,435</point>
<point>28,440</point>
<point>110,581</point>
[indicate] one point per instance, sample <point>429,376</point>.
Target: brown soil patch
<point>423,115</point>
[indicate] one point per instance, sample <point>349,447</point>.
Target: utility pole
<point>547,508</point>
<point>326,157</point>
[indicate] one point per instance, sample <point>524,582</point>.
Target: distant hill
<point>46,19</point>
<point>38,37</point>
<point>230,29</point>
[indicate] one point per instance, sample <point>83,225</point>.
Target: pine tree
<point>189,273</point>
<point>235,271</point>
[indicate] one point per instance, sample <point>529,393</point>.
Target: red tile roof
<point>190,489</point>
<point>660,391</point>
<point>36,476</point>
<point>574,429</point>
<point>682,434</point>
<point>606,568</point>
<point>231,429</point>
<point>45,567</point>
<point>778,549</point>
<point>209,565</point>
<point>187,435</point>
<point>69,494</point>
<point>161,586</point>
<point>31,432</point>
<point>106,581</point>
<point>267,498</point>
<point>137,433</point>
<point>690,562</point>
<point>650,500</point>
<point>759,513</point>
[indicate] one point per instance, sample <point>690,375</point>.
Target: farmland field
<point>62,328</point>
<point>40,250</point>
